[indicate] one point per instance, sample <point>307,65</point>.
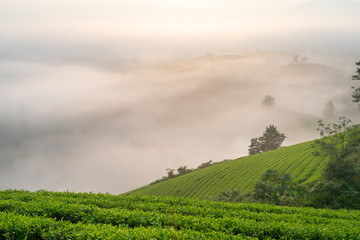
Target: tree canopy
<point>270,140</point>
<point>268,101</point>
<point>334,138</point>
<point>339,188</point>
<point>275,188</point>
<point>356,93</point>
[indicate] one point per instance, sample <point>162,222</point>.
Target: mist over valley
<point>106,105</point>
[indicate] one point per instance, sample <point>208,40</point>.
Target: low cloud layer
<point>95,100</point>
<point>80,128</point>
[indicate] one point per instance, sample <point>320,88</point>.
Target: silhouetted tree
<point>205,164</point>
<point>270,140</point>
<point>356,93</point>
<point>170,172</point>
<point>268,101</point>
<point>183,170</point>
<point>255,146</point>
<point>328,111</point>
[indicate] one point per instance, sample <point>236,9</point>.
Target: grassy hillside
<point>54,215</point>
<point>241,173</point>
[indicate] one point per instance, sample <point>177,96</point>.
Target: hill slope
<point>241,173</point>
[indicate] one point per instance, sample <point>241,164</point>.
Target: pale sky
<point>142,26</point>
<point>139,17</point>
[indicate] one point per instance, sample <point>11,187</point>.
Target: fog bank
<point>104,97</point>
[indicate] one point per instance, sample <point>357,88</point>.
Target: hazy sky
<point>140,28</point>
<point>105,95</point>
<point>111,17</point>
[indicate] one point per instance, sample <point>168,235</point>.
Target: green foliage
<point>53,215</point>
<point>356,93</point>
<point>170,172</point>
<point>339,188</point>
<point>357,75</point>
<point>181,171</point>
<point>233,195</point>
<point>242,173</point>
<point>343,170</point>
<point>255,146</point>
<point>206,164</point>
<point>270,140</point>
<point>340,143</point>
<point>334,194</point>
<point>334,142</point>
<point>275,188</point>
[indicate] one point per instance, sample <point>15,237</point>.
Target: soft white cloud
<point>105,95</point>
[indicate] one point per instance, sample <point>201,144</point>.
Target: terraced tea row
<point>15,226</point>
<point>161,216</point>
<point>182,206</point>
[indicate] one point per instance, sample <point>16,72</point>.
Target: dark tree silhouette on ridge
<point>270,140</point>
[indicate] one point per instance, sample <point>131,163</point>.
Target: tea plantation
<point>242,173</point>
<point>65,215</point>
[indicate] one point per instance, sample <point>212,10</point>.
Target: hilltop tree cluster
<point>171,173</point>
<point>270,140</point>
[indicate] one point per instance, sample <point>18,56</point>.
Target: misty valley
<point>175,119</point>
<point>142,119</point>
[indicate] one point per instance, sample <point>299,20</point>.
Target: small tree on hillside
<point>170,172</point>
<point>329,109</point>
<point>356,93</point>
<point>270,140</point>
<point>255,146</point>
<point>339,188</point>
<point>268,101</point>
<point>333,142</point>
<point>339,142</point>
<point>273,187</point>
<point>183,170</point>
<point>205,164</point>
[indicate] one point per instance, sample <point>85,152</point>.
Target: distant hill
<point>241,173</point>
